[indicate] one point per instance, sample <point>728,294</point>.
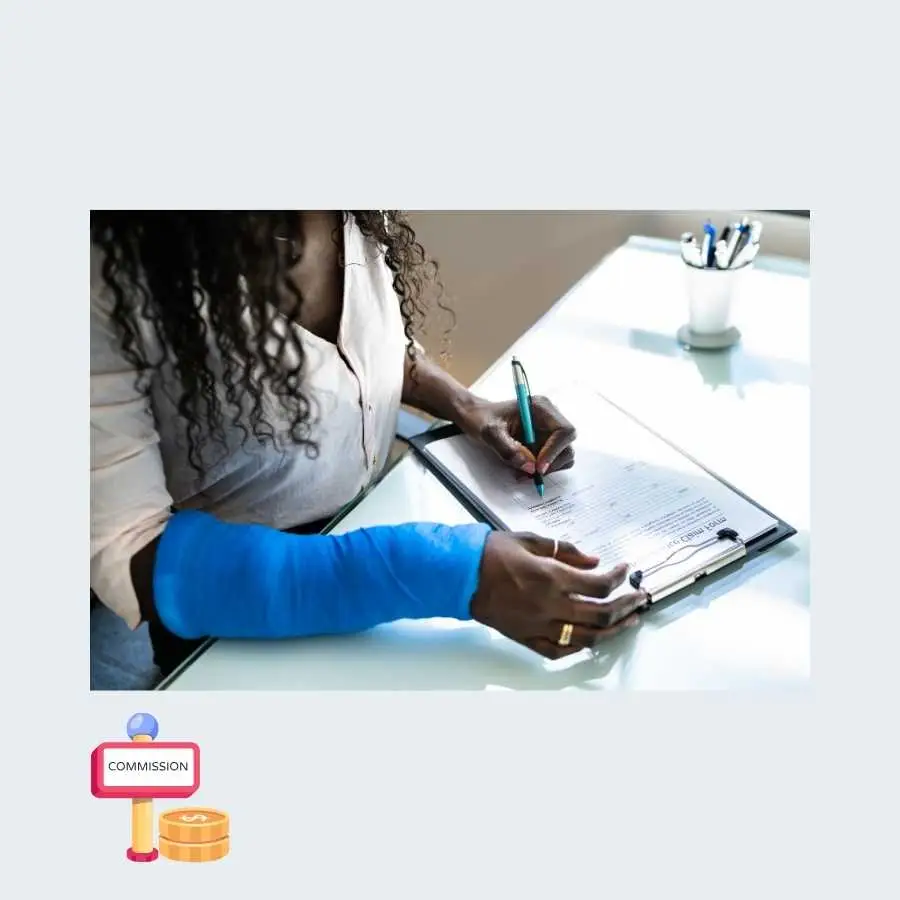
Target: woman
<point>246,374</point>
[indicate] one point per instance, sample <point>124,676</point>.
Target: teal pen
<point>523,396</point>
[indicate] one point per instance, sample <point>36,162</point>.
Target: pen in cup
<point>722,255</point>
<point>733,239</point>
<point>755,232</point>
<point>745,256</point>
<point>743,239</point>
<point>690,252</point>
<point>748,247</point>
<point>523,397</point>
<point>709,244</point>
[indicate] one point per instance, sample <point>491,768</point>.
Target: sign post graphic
<point>142,769</point>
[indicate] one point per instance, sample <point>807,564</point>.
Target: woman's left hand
<point>497,426</point>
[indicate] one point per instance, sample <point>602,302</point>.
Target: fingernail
<point>543,468</point>
<point>528,468</point>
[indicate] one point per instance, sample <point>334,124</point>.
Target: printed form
<point>631,497</point>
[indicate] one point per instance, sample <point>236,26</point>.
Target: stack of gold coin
<point>194,834</point>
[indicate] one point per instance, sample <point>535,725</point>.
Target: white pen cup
<point>711,296</point>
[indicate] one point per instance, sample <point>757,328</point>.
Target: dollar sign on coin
<point>194,834</point>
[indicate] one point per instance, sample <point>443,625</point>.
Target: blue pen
<point>709,244</point>
<point>523,396</point>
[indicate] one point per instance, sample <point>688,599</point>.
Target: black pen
<point>523,396</point>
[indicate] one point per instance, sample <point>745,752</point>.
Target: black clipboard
<point>663,578</point>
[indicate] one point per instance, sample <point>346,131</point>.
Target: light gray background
<point>721,795</point>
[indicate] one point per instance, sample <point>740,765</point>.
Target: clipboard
<point>674,571</point>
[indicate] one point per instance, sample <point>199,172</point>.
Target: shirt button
<point>374,460</point>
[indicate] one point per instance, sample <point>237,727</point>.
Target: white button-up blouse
<point>140,472</point>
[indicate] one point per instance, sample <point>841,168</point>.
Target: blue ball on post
<point>142,725</point>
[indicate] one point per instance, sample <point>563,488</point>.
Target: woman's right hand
<point>526,593</point>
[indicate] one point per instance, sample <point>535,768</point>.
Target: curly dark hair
<point>162,266</point>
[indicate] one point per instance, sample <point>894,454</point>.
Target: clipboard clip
<point>735,550</point>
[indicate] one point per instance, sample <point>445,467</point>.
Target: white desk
<point>744,414</point>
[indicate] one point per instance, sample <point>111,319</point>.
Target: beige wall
<point>503,270</point>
